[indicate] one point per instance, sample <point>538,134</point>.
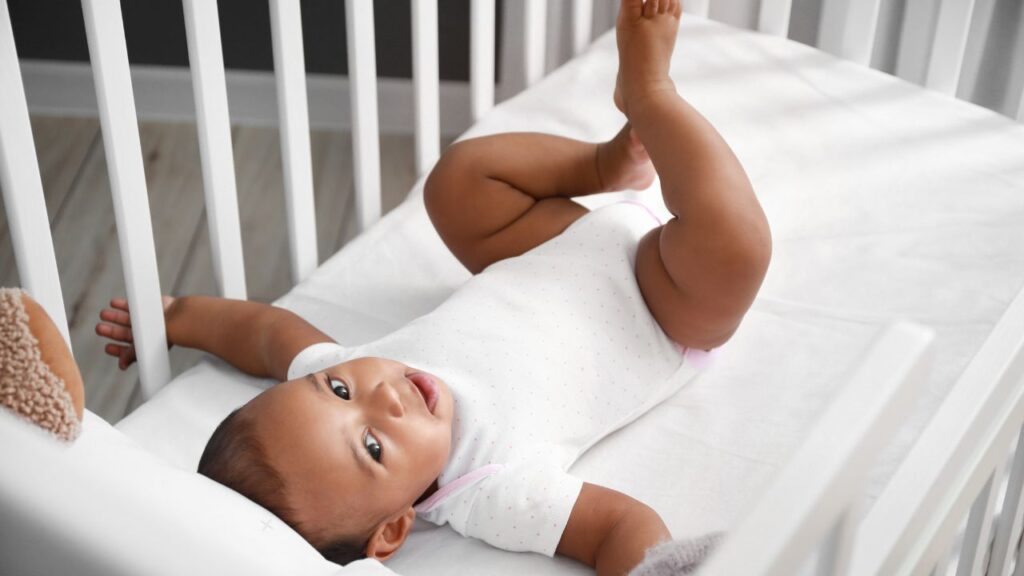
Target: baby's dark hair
<point>236,458</point>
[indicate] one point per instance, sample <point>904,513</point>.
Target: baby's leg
<point>699,273</point>
<point>498,196</point>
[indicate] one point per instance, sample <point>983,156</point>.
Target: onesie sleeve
<point>523,508</point>
<point>315,358</point>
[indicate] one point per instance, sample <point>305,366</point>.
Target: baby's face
<point>356,444</point>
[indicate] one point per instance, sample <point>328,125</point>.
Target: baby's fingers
<point>125,354</point>
<point>116,316</point>
<point>114,332</point>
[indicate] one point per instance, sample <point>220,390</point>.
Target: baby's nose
<point>387,397</point>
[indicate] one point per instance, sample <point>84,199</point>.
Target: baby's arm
<point>610,531</point>
<point>258,339</point>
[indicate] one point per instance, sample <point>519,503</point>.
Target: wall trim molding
<point>164,94</point>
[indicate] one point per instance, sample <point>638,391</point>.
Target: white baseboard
<point>165,94</point>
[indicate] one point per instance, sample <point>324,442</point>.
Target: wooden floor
<point>77,190</point>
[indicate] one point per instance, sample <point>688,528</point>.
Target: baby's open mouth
<point>427,387</point>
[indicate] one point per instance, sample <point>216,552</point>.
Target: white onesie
<point>545,354</point>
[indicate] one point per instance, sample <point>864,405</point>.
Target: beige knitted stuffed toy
<point>28,385</point>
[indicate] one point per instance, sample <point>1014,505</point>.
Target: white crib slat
<point>109,57</point>
<point>774,17</point>
<point>206,60</point>
<point>979,523</point>
<point>915,40</point>
<point>697,7</point>
<point>23,188</point>
<point>949,45</point>
<point>535,27</point>
<point>582,24</point>
<point>427,84</point>
<point>362,73</point>
<point>481,54</point>
<point>823,479</point>
<point>1011,516</point>
<point>848,29</point>
<point>296,159</point>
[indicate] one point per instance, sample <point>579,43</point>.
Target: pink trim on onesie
<point>455,485</point>
<point>699,359</point>
<point>645,207</point>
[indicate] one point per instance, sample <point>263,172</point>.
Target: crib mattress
<point>885,201</point>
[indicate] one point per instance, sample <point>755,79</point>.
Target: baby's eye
<point>372,446</point>
<point>339,388</point>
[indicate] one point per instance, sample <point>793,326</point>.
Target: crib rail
<point>773,17</point>
<point>956,468</point>
<point>109,56</point>
<point>23,187</point>
<point>481,56</point>
<point>362,72</point>
<point>427,84</point>
<point>829,469</point>
<point>949,46</point>
<point>848,29</point>
<point>296,158</point>
<point>202,29</point>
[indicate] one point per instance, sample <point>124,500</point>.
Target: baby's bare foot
<point>646,36</point>
<point>623,163</point>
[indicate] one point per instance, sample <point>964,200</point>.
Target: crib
<point>897,444</point>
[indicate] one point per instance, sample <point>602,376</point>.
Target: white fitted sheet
<point>885,201</point>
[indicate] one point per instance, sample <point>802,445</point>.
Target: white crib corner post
<point>481,54</point>
<point>774,17</point>
<point>202,30</point>
<point>109,56</point>
<point>362,71</point>
<point>296,158</point>
<point>23,187</point>
<point>427,84</point>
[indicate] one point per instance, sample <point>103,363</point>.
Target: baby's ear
<point>389,536</point>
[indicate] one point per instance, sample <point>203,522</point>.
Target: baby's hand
<point>116,324</point>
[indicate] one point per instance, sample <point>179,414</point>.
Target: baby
<point>471,415</point>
